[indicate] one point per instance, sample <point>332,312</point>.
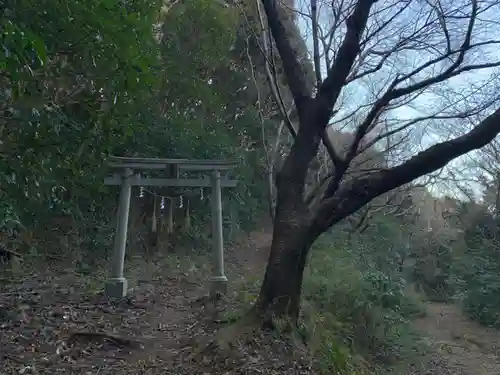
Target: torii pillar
<point>116,285</point>
<point>218,279</point>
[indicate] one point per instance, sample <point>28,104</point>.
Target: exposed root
<point>228,338</point>
<point>255,324</point>
<point>245,328</point>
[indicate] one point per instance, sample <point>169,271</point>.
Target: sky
<point>465,91</point>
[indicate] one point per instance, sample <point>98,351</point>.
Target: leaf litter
<point>51,324</point>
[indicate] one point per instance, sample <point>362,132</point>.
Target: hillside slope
<point>56,321</point>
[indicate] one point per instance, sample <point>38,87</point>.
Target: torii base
<point>218,285</point>
<point>116,287</point>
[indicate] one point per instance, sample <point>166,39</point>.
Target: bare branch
<point>330,88</point>
<point>440,13</point>
<point>297,80</point>
<point>394,93</point>
<point>409,123</point>
<point>316,56</point>
<point>298,87</point>
<point>434,158</point>
<point>387,23</point>
<point>273,85</point>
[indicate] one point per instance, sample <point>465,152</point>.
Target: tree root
<point>249,329</point>
<point>227,337</point>
<point>244,328</point>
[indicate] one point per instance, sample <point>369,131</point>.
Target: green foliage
<point>73,75</point>
<point>481,301</point>
<point>477,274</point>
<point>10,222</point>
<point>462,262</point>
<point>433,270</point>
<point>380,246</point>
<point>83,80</point>
<point>353,309</point>
<point>196,40</point>
<point>201,113</point>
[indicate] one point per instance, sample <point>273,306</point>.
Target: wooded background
<point>81,81</point>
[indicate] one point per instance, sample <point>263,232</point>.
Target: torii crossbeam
<point>128,175</point>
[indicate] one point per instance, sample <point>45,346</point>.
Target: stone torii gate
<point>128,175</point>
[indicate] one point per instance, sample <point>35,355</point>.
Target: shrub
<point>481,301</point>
<point>479,267</point>
<point>350,310</point>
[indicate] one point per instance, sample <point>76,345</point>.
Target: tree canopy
<point>363,130</point>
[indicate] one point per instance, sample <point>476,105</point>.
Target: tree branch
<point>273,82</point>
<point>316,55</point>
<point>394,93</point>
<point>355,193</point>
<point>330,88</point>
<point>297,79</point>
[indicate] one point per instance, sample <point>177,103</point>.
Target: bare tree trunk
<point>281,290</point>
<point>293,237</point>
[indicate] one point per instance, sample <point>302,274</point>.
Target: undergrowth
<point>357,319</point>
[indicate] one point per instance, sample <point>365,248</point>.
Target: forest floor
<point>54,321</point>
<point>465,347</point>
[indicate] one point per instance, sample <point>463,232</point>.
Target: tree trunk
<point>281,290</point>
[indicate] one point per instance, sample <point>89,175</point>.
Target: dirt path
<point>250,254</point>
<point>50,323</point>
<point>466,347</point>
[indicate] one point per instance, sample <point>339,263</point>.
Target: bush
<point>114,90</point>
<point>434,256</point>
<point>480,288</point>
<point>350,310</point>
<point>482,300</point>
<point>478,269</point>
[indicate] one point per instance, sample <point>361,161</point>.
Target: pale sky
<point>466,91</point>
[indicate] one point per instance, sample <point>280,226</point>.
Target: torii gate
<point>127,176</point>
